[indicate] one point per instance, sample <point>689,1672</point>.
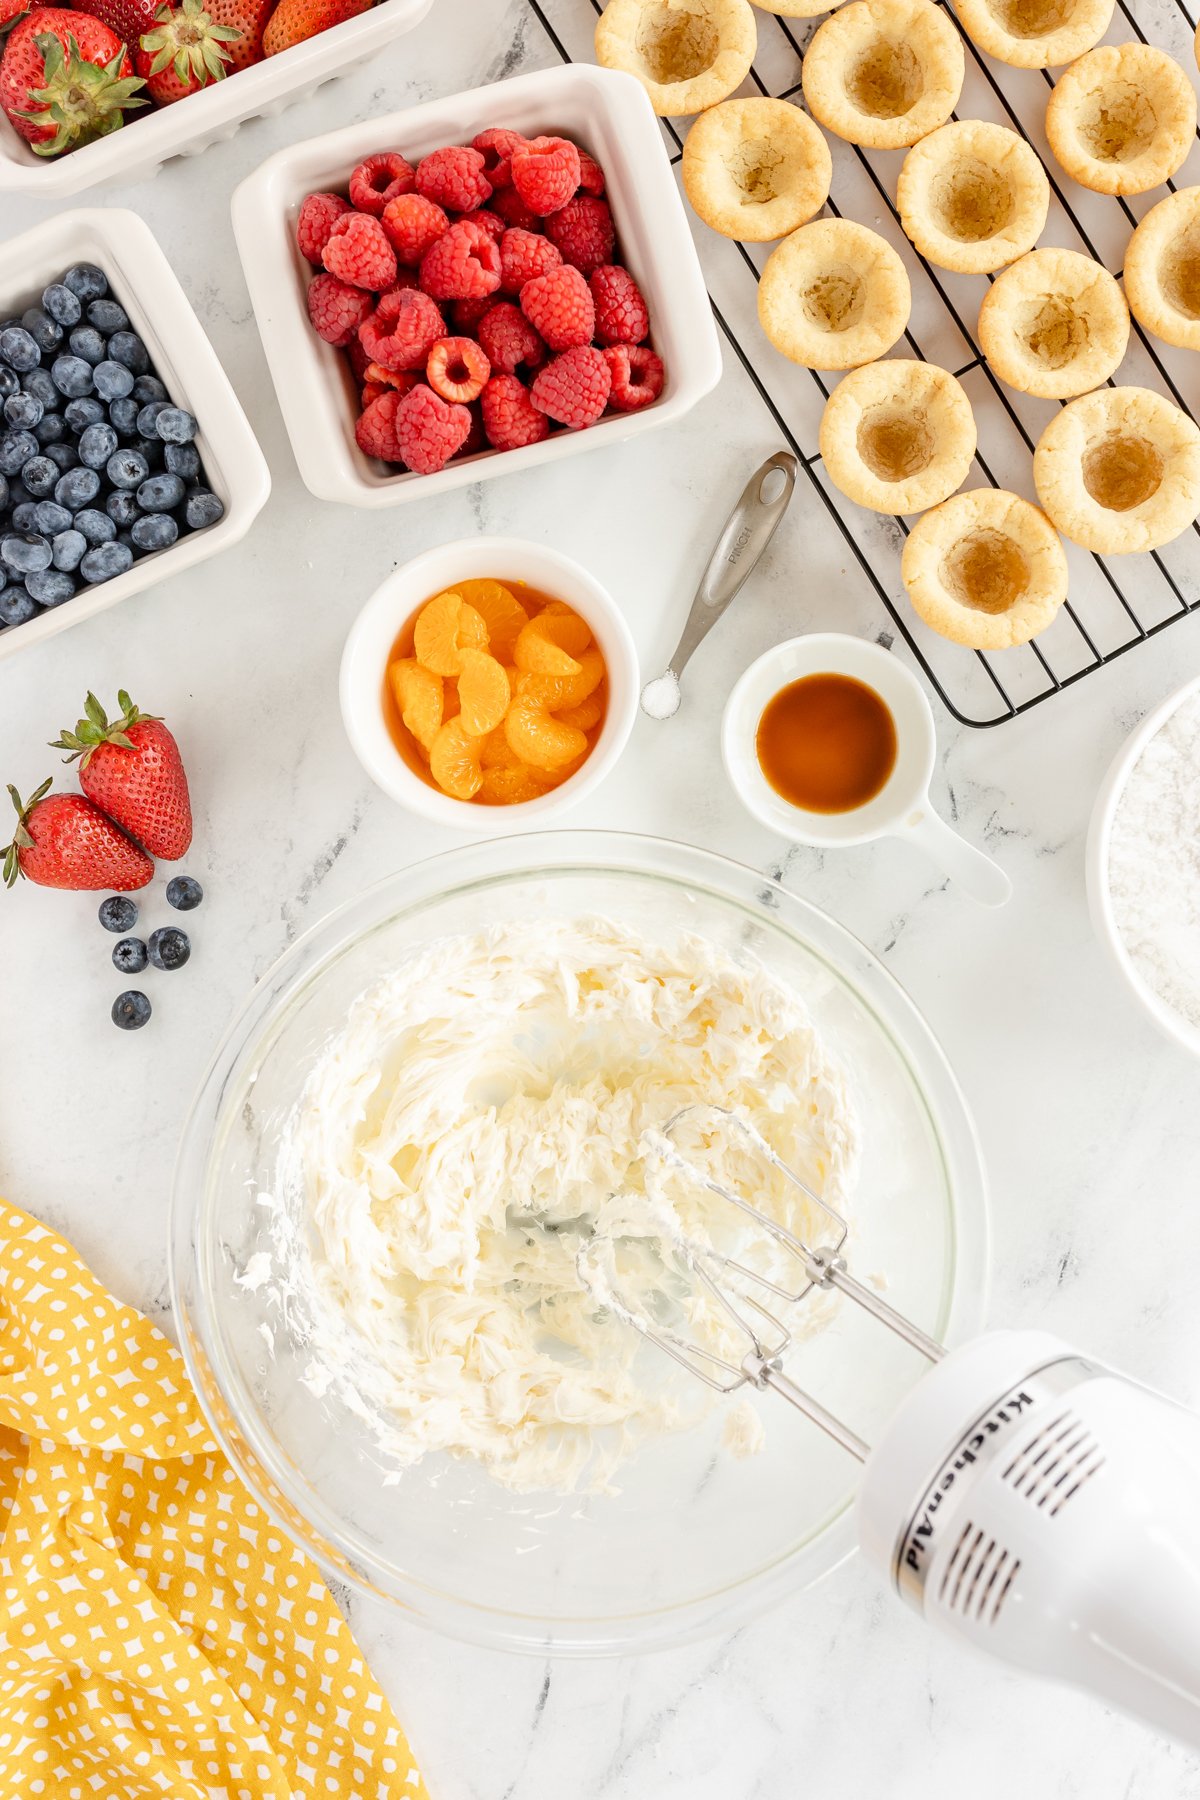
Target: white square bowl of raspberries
<point>125,455</point>
<point>476,286</point>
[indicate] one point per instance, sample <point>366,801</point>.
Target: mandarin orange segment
<point>509,787</point>
<point>483,693</point>
<point>556,692</point>
<point>537,654</point>
<point>563,627</point>
<point>445,627</point>
<point>495,751</point>
<point>454,761</point>
<point>541,740</point>
<point>588,714</point>
<point>500,611</point>
<point>419,698</point>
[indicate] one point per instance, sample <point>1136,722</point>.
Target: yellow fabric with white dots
<point>158,1635</point>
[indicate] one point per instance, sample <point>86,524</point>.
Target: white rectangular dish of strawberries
<point>242,58</point>
<point>476,286</point>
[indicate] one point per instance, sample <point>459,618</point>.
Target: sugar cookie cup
<point>897,436</point>
<point>687,54</point>
<point>1122,119</point>
<point>985,569</point>
<point>1055,324</point>
<point>796,9</point>
<point>1034,34</point>
<point>833,295</point>
<point>1119,470</point>
<point>883,73</point>
<point>972,196</point>
<point>756,169</point>
<point>1162,270</point>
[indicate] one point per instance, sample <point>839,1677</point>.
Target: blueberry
<point>127,469</point>
<point>203,509</point>
<point>148,417</point>
<point>23,411</point>
<point>94,527</point>
<point>127,347</point>
<point>169,947</point>
<point>62,305</point>
<point>26,553</point>
<point>41,474</point>
<point>96,445</point>
<point>129,956</point>
<point>182,459</point>
<point>9,384</point>
<point>175,425</point>
<point>126,537</point>
<point>72,376</point>
<point>16,449</point>
<point>86,342</point>
<point>107,316</point>
<point>18,348</point>
<point>77,488</point>
<point>147,388</point>
<point>24,515</point>
<point>38,382</point>
<point>63,456</point>
<point>154,531</point>
<point>122,508</point>
<point>153,451</point>
<point>131,1011</point>
<point>18,493</point>
<point>160,493</point>
<point>113,381</point>
<point>104,561</point>
<point>123,414</point>
<point>50,430</point>
<point>16,606</point>
<point>50,587</point>
<point>184,893</point>
<point>50,518</point>
<point>79,414</point>
<point>69,549</point>
<point>86,281</point>
<point>46,332</point>
<point>118,913</point>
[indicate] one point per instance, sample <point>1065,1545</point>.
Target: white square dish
<point>608,114</point>
<point>146,286</point>
<point>149,139</point>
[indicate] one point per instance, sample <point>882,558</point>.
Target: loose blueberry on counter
<point>130,956</point>
<point>86,281</point>
<point>184,893</point>
<point>118,913</point>
<point>131,1010</point>
<point>62,305</point>
<point>169,947</point>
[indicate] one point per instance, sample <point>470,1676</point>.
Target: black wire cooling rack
<point>1115,602</point>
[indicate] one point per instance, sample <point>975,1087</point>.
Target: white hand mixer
<point>1023,1497</point>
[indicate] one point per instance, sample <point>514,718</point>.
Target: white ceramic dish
<point>144,282</point>
<point>374,632</point>
<point>1096,862</point>
<point>609,114</point>
<point>149,139</point>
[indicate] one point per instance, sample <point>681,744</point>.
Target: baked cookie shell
<point>883,73</point>
<point>972,196</point>
<point>1034,34</point>
<point>833,295</point>
<point>985,569</point>
<point>754,170</point>
<point>687,54</point>
<point>1054,324</point>
<point>898,436</point>
<point>1162,270</point>
<point>1119,470</point>
<point>1122,119</point>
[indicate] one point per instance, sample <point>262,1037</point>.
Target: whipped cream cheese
<point>487,1113</point>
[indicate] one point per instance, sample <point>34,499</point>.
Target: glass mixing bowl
<point>694,1541</point>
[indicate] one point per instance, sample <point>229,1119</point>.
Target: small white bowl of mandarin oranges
<point>489,685</point>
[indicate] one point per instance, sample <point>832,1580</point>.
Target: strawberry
<point>249,17</point>
<point>64,841</point>
<point>133,771</point>
<point>10,12</point>
<point>128,18</point>
<point>185,51</point>
<point>294,20</point>
<point>65,79</point>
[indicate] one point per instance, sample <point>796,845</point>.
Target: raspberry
<point>496,146</point>
<point>508,339</point>
<point>510,419</point>
<point>467,313</point>
<point>622,316</point>
<point>637,375</point>
<point>428,430</point>
<point>318,214</point>
<point>559,307</point>
<point>457,369</point>
<point>524,254</point>
<point>379,179</point>
<point>574,388</point>
<point>583,231</point>
<point>591,175</point>
<point>360,362</point>
<point>474,440</point>
<point>545,173</point>
<point>372,391</point>
<point>463,264</point>
<point>358,252</point>
<point>402,330</point>
<point>508,205</point>
<point>336,309</point>
<point>453,178</point>
<point>375,432</point>
<point>413,225</point>
<point>488,220</point>
<point>390,378</point>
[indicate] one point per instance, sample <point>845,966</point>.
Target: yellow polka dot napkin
<point>158,1634</point>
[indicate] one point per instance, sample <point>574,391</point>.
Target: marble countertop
<point>1089,1120</point>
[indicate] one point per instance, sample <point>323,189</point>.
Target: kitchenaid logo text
<point>920,1537</point>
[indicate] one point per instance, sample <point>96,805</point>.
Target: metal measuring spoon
<point>746,534</point>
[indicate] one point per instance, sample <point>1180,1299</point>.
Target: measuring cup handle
<point>972,871</point>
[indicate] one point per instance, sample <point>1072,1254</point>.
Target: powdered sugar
<point>1154,863</point>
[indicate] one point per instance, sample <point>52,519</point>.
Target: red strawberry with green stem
<point>185,50</point>
<point>133,771</point>
<point>293,21</point>
<point>64,841</point>
<point>249,17</point>
<point>130,19</point>
<point>10,12</point>
<point>65,79</point>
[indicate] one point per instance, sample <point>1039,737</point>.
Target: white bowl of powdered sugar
<point>1143,865</point>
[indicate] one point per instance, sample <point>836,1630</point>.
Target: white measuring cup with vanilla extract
<point>830,741</point>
